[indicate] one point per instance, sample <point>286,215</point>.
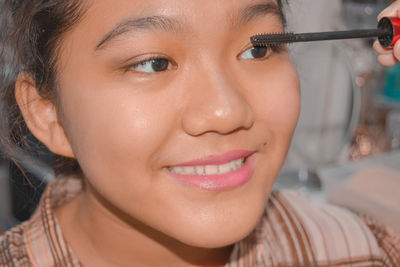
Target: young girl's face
<point>147,87</point>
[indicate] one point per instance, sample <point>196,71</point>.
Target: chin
<point>218,238</point>
<point>223,221</point>
<point>221,231</point>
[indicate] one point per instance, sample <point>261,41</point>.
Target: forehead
<point>179,7</point>
<point>115,18</point>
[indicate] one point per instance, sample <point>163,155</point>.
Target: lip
<point>218,159</point>
<point>220,182</point>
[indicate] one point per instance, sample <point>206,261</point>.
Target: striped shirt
<point>292,232</point>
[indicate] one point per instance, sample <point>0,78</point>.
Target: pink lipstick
<point>216,172</point>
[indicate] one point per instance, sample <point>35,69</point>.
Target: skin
<point>125,127</point>
<point>389,57</point>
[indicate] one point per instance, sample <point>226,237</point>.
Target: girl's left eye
<point>153,65</point>
<point>255,53</point>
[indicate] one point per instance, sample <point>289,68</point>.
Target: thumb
<point>392,11</point>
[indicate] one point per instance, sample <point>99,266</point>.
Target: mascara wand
<point>387,32</point>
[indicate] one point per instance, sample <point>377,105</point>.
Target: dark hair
<point>280,4</point>
<point>30,37</point>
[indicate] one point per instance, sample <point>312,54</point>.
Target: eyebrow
<point>245,15</point>
<point>142,24</point>
<point>264,8</point>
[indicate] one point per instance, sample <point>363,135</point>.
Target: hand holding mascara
<point>387,32</point>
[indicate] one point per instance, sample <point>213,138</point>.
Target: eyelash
<point>274,48</point>
<point>278,48</point>
<point>270,48</point>
<point>148,59</point>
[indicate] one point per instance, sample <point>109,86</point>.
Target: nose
<point>216,103</point>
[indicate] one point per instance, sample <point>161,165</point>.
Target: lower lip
<point>219,182</point>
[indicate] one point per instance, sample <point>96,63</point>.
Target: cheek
<point>114,124</point>
<point>284,103</point>
<point>277,108</point>
<point>276,100</point>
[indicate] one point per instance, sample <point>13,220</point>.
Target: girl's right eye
<point>255,53</point>
<point>152,65</point>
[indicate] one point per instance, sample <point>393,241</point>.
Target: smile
<point>216,173</point>
<point>209,169</point>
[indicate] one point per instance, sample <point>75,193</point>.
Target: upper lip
<point>218,159</point>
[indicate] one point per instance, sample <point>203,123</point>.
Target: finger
<point>387,60</point>
<point>381,50</point>
<point>391,11</point>
<point>396,50</point>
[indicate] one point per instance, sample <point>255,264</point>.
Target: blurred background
<point>349,131</point>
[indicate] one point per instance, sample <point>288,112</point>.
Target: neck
<point>102,235</point>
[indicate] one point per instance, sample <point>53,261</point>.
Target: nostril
<point>217,104</point>
<point>196,122</point>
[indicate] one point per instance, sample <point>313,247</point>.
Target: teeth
<point>225,168</point>
<point>238,164</point>
<point>209,169</point>
<point>232,165</point>
<point>179,170</point>
<point>188,170</point>
<point>200,170</point>
<point>212,169</point>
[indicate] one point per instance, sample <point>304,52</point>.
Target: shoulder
<point>324,234</point>
<point>388,240</point>
<point>39,241</point>
<point>13,249</point>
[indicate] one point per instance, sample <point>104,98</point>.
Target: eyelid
<point>273,48</point>
<point>144,58</point>
<point>247,46</point>
<point>250,46</point>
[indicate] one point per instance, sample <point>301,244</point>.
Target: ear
<point>40,116</point>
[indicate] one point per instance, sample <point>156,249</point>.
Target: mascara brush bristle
<point>273,39</point>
